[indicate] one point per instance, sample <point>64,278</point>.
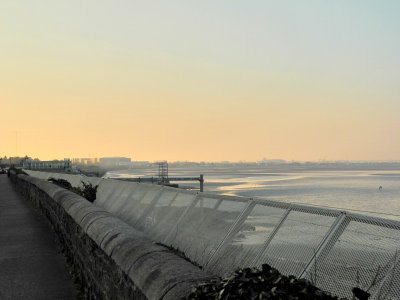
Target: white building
<point>30,164</point>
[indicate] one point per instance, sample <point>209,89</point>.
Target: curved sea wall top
<point>336,250</point>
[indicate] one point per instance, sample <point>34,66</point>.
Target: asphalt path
<point>30,265</point>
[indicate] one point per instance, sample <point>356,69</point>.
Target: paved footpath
<point>30,265</point>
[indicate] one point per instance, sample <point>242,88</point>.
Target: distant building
<point>78,160</point>
<point>86,161</point>
<point>103,161</point>
<point>143,163</point>
<point>115,161</point>
<point>30,164</point>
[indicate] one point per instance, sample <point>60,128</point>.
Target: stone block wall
<point>111,259</point>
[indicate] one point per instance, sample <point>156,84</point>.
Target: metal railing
<point>336,250</point>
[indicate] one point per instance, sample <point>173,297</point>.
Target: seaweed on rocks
<point>267,283</point>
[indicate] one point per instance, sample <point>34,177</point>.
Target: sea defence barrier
<point>336,250</point>
<point>111,259</point>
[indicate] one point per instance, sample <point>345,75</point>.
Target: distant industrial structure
<point>164,179</point>
<point>163,171</point>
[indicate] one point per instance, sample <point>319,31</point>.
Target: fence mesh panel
<point>117,196</point>
<point>257,229</point>
<point>159,211</point>
<point>389,288</point>
<point>105,189</point>
<point>364,251</point>
<point>145,203</point>
<point>204,227</point>
<point>163,229</point>
<point>247,241</point>
<point>130,209</point>
<point>296,241</point>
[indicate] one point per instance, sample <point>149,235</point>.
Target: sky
<point>200,80</point>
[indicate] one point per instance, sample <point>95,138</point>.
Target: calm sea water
<point>346,190</point>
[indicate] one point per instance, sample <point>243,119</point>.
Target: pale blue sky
<point>276,75</point>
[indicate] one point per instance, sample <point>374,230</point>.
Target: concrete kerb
<point>131,249</point>
<point>114,236</point>
<point>66,199</point>
<point>125,234</point>
<point>99,229</point>
<point>158,272</point>
<point>108,237</point>
<point>27,178</point>
<point>74,210</point>
<point>36,181</point>
<point>79,209</point>
<point>70,204</point>
<point>49,188</point>
<point>32,180</point>
<point>82,213</point>
<point>91,217</point>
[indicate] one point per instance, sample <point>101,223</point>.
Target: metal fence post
<point>175,227</point>
<point>217,205</point>
<point>201,179</point>
<point>233,230</point>
<point>327,243</point>
<point>389,272</point>
<point>271,236</point>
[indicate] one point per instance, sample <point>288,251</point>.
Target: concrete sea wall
<point>111,259</point>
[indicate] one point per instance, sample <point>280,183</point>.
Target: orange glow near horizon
<point>199,82</point>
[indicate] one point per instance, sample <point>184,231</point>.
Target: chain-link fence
<point>336,250</point>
